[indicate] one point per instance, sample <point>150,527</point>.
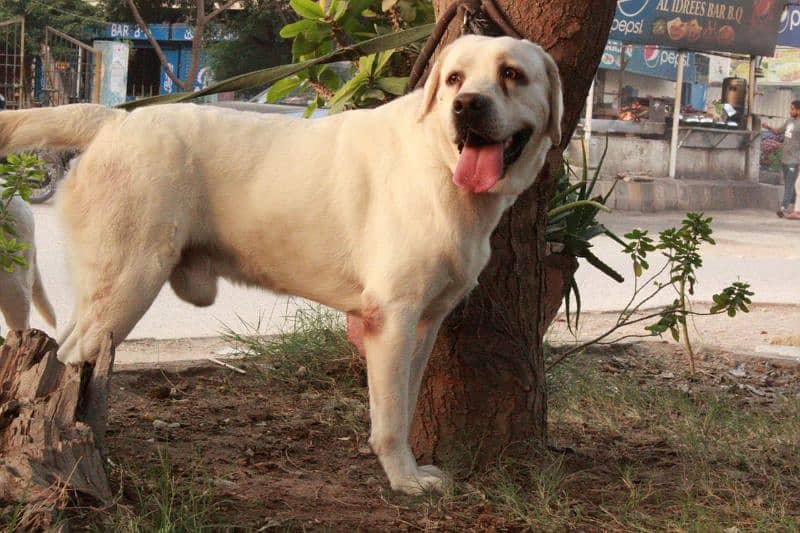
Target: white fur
<point>23,286</point>
<point>357,211</point>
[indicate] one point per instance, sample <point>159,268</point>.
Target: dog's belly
<point>285,271</point>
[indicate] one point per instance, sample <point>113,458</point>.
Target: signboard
<point>782,69</point>
<point>648,60</point>
<point>739,26</point>
<point>120,30</point>
<point>184,32</point>
<point>789,27</point>
<point>161,32</point>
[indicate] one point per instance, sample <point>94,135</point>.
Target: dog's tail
<point>40,299</point>
<point>62,127</point>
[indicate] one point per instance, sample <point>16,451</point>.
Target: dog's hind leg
<point>113,304</point>
<point>125,233</point>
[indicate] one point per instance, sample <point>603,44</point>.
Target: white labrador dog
<point>23,286</point>
<point>384,214</point>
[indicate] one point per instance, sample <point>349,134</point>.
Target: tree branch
<point>217,11</point>
<point>159,52</point>
<point>598,339</point>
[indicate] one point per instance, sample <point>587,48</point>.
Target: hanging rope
<point>479,17</point>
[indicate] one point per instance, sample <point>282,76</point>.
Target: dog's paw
<point>428,478</point>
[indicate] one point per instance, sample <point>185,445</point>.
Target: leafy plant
<point>572,223</point>
<point>323,27</point>
<point>18,176</point>
<point>396,40</point>
<point>680,249</point>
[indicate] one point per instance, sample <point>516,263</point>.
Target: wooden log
<point>52,424</point>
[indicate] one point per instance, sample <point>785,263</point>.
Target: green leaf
<point>339,9</point>
<point>381,60</point>
<point>283,88</point>
<point>291,30</point>
<point>301,46</point>
<point>393,85</point>
<point>366,63</point>
<point>311,108</point>
<point>268,76</point>
<point>346,93</point>
<point>374,94</point>
<point>329,79</point>
<point>307,9</point>
<point>603,267</point>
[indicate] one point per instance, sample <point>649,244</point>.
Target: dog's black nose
<point>469,103</point>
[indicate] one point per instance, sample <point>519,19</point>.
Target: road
<point>752,245</point>
<point>755,246</point>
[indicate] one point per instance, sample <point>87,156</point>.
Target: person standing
<point>790,158</point>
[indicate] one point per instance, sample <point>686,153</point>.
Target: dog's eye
<point>454,78</point>
<point>510,73</point>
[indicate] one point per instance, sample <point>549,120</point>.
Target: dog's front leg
<point>389,342</point>
<point>427,330</point>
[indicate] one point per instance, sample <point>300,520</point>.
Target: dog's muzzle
<point>484,155</point>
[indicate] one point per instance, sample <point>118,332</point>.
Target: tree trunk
<point>52,424</point>
<point>485,386</point>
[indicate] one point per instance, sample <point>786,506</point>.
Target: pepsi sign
<point>789,27</point>
<point>648,60</point>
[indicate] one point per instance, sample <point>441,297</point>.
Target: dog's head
<point>497,101</point>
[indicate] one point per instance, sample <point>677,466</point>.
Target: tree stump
<point>52,424</point>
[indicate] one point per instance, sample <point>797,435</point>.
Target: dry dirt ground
<point>636,444</point>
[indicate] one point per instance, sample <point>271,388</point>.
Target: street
<point>752,245</point>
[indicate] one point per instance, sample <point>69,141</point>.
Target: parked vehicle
<point>56,165</point>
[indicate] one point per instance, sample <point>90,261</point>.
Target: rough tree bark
<point>52,424</point>
<point>485,384</point>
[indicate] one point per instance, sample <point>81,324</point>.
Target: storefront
<point>663,51</point>
<point>144,74</point>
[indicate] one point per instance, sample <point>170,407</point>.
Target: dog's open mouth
<point>482,162</point>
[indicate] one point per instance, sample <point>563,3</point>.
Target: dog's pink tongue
<point>479,167</point>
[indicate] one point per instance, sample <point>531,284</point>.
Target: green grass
<point>11,518</point>
<point>311,350</point>
<point>159,499</point>
<point>656,458</point>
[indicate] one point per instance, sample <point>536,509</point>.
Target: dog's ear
<point>432,85</point>
<point>556,100</point>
